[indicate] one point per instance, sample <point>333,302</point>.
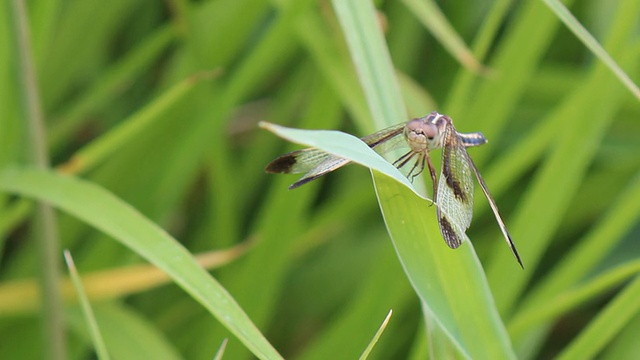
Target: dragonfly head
<point>422,135</point>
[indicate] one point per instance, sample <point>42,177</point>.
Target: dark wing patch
<point>283,164</point>
<point>449,235</point>
<point>454,195</point>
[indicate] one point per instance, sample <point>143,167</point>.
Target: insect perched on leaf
<point>452,190</point>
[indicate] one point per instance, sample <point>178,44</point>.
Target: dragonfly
<point>452,190</point>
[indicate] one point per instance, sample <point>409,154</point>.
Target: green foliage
<point>151,113</point>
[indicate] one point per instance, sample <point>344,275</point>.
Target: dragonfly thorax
<point>421,136</point>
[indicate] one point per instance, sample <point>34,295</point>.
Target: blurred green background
<point>158,104</point>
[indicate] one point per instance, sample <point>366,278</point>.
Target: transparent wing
<point>315,163</point>
<point>454,195</point>
<point>386,140</point>
<point>300,161</point>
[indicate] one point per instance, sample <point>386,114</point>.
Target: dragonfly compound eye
<point>420,136</point>
<point>430,131</point>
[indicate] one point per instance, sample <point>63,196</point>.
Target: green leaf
<point>100,149</point>
<point>597,99</point>
<point>107,213</point>
<point>570,299</point>
<point>342,145</point>
<point>444,279</point>
<point>432,18</point>
<point>606,325</point>
<point>376,337</point>
<point>589,41</point>
<point>372,61</point>
<point>603,237</point>
<point>128,334</point>
<point>87,311</point>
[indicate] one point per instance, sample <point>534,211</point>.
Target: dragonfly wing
<point>454,195</point>
<point>300,161</point>
<point>315,163</point>
<point>386,140</point>
<point>330,164</point>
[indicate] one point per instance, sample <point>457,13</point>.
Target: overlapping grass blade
<point>87,311</point>
<point>606,325</point>
<point>107,213</point>
<point>374,340</point>
<point>443,279</point>
<point>588,40</point>
<point>431,17</point>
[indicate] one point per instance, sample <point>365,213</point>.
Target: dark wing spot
<point>453,184</point>
<point>283,164</point>
<point>450,236</point>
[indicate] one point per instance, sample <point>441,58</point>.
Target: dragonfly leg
<point>434,179</point>
<point>404,159</point>
<point>410,174</point>
<point>419,164</point>
<point>422,161</point>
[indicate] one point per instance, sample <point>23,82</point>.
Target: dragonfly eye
<point>430,131</point>
<point>420,135</point>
